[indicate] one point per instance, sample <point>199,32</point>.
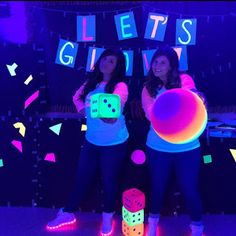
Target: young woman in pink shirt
<point>162,156</point>
<point>105,142</point>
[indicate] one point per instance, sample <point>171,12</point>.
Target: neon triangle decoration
<point>17,144</point>
<point>30,99</point>
<point>56,128</point>
<point>83,127</point>
<point>1,163</point>
<point>21,127</point>
<point>233,152</point>
<point>50,157</point>
<point>207,159</point>
<point>12,68</point>
<point>28,80</point>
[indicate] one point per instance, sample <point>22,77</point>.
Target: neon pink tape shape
<point>31,98</point>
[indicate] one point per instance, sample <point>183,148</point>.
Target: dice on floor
<point>133,200</point>
<point>137,230</point>
<point>132,218</point>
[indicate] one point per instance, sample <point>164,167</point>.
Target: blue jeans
<point>186,166</point>
<point>110,161</point>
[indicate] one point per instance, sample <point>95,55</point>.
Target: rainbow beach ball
<point>178,116</point>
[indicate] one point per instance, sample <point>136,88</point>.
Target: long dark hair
<point>153,83</point>
<point>96,76</point>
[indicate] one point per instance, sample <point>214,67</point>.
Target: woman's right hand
<point>76,97</point>
<point>201,95</point>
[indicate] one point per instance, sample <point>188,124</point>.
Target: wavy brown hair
<point>96,76</point>
<point>153,84</point>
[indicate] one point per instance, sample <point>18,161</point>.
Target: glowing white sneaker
<point>63,218</point>
<point>197,230</point>
<point>107,224</point>
<point>152,229</point>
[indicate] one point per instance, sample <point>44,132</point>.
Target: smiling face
<point>161,67</point>
<point>108,64</point>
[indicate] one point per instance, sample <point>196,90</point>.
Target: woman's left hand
<point>201,95</point>
<point>109,120</point>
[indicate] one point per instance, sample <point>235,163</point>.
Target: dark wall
<point>211,61</point>
<point>28,179</point>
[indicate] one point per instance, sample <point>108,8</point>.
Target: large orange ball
<point>178,116</point>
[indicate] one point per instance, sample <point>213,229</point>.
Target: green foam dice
<point>132,218</point>
<point>105,105</point>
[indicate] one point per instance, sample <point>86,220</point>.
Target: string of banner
<point>186,29</point>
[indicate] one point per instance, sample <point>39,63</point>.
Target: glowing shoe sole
<point>61,225</point>
<point>107,234</point>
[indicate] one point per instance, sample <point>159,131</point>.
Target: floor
<point>26,221</point>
